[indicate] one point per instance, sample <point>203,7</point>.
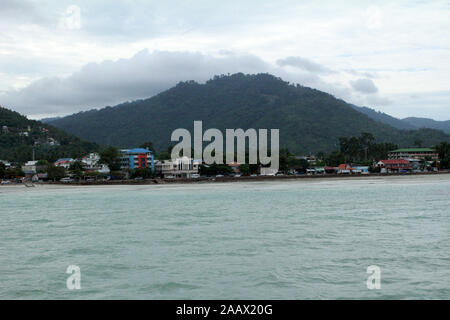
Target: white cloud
<point>72,18</point>
<point>305,64</point>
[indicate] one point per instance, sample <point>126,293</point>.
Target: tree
<point>144,173</point>
<point>244,169</point>
<point>443,149</point>
<point>335,158</point>
<point>165,155</point>
<point>418,143</point>
<point>76,169</point>
<point>2,170</point>
<point>110,157</point>
<point>148,145</point>
<point>55,173</point>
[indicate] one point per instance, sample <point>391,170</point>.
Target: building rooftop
<point>414,150</point>
<point>137,150</point>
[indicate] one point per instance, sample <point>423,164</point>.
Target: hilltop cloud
<point>364,86</point>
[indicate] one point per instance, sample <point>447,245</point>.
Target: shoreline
<point>160,181</point>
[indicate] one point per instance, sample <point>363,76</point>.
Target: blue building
<point>137,158</point>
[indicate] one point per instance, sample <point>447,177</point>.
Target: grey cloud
<point>18,11</point>
<point>112,82</point>
<point>304,64</point>
<point>145,74</point>
<point>364,86</point>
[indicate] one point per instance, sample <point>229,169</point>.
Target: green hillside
<point>19,135</point>
<point>309,120</point>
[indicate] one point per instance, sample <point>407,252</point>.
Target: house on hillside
<point>64,162</point>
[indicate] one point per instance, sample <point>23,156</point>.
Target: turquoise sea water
<point>307,239</point>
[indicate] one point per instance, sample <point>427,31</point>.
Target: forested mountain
<point>309,120</point>
<point>406,123</point>
<point>385,118</point>
<point>19,135</point>
<point>428,123</point>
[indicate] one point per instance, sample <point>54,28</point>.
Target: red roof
<point>345,167</point>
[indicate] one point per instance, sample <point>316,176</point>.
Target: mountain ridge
<point>309,120</point>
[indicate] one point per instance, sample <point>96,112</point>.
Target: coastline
<point>159,181</point>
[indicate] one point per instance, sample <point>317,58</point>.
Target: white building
<point>182,167</point>
<point>268,171</point>
<point>64,162</point>
<point>30,167</point>
<point>91,161</point>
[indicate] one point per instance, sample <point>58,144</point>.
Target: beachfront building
<point>394,166</point>
<point>360,169</point>
<point>315,170</point>
<point>413,153</point>
<point>91,162</point>
<point>30,168</point>
<point>267,171</point>
<point>137,158</point>
<point>235,167</point>
<point>344,168</point>
<point>183,167</point>
<point>6,163</point>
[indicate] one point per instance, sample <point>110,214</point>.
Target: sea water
<point>302,239</point>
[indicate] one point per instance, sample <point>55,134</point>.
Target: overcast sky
<point>60,57</point>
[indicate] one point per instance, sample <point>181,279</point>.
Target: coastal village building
<point>267,171</point>
<point>344,168</point>
<point>394,165</point>
<point>64,162</point>
<point>413,153</point>
<point>6,163</point>
<point>91,162</point>
<point>30,168</point>
<point>235,167</point>
<point>136,158</point>
<point>183,167</point>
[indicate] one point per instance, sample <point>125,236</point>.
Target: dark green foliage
<point>215,169</point>
<point>148,145</point>
<point>144,173</point>
<point>244,169</point>
<point>23,135</point>
<point>55,173</point>
<point>443,149</point>
<point>289,161</point>
<point>335,158</point>
<point>309,120</point>
<point>2,170</point>
<point>76,169</point>
<point>12,173</point>
<point>110,157</point>
<point>361,149</point>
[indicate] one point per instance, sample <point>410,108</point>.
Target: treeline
<point>20,137</point>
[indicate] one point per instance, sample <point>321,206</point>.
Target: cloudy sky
<point>58,57</point>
